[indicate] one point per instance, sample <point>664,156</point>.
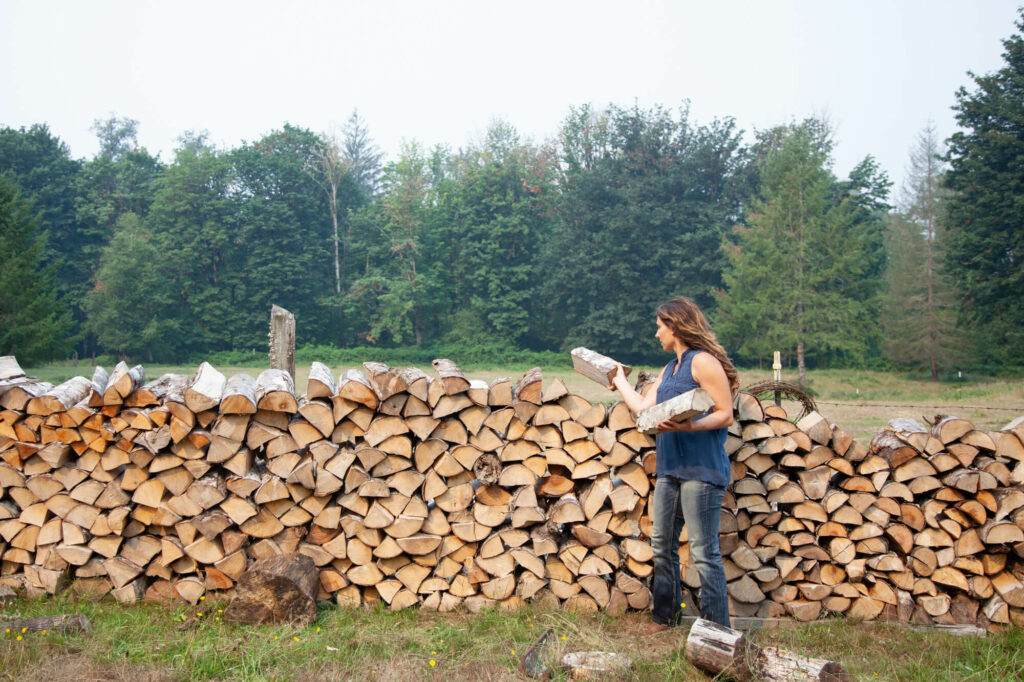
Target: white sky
<point>440,72</point>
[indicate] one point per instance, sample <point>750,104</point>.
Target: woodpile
<point>444,491</point>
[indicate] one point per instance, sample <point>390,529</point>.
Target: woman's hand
<point>672,425</point>
<point>619,374</point>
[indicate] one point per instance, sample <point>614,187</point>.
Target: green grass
<point>174,643</point>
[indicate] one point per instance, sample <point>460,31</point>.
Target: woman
<point>693,469</point>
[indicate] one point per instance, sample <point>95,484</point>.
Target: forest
<point>512,244</point>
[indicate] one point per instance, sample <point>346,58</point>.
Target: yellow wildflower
<point>432,663</point>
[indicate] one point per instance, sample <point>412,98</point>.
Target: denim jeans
<point>697,504</point>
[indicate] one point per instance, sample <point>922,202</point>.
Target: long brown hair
<point>689,325</point>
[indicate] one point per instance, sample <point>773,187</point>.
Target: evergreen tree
<point>362,155</point>
<point>795,269</point>
<point>984,250</point>
<point>47,175</point>
<point>34,322</point>
<point>920,316</point>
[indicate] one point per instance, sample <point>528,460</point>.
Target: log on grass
<point>278,589</point>
<point>71,622</point>
<point>718,650</point>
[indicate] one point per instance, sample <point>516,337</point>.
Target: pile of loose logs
<point>445,492</point>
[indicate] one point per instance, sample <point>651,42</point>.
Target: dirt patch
<point>76,667</point>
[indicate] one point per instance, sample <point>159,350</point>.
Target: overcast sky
<point>439,72</point>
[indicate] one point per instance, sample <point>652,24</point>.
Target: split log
<point>60,398</point>
<point>453,381</point>
<point>279,589</point>
<point>205,390</point>
<point>385,380</point>
<point>321,382</point>
<point>594,366</point>
<point>239,395</point>
<point>275,391</point>
<point>679,408</point>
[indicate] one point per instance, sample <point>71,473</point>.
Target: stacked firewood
<point>443,491</point>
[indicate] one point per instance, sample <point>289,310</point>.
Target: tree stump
<point>278,589</point>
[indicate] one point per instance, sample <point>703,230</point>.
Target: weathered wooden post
<point>777,374</point>
<point>282,340</point>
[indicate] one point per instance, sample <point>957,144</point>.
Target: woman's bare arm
<point>634,400</point>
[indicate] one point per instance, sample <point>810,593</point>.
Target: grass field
<point>151,642</point>
<point>860,401</point>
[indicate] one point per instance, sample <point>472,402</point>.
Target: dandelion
<point>432,663</point>
<point>433,653</point>
<point>513,652</point>
<point>203,598</point>
<point>295,639</point>
<point>222,611</point>
<point>275,638</point>
<point>23,630</point>
<point>217,618</point>
<point>44,632</point>
<point>318,629</point>
<point>19,638</point>
<point>199,615</point>
<point>563,638</point>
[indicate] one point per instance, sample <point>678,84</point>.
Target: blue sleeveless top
<point>693,455</point>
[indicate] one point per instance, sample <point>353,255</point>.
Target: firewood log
<point>528,388</point>
<point>453,381</point>
<point>679,408</point>
<point>385,380</point>
<point>353,385</point>
<point>595,366</point>
<point>275,391</point>
<point>60,398</point>
<point>321,382</point>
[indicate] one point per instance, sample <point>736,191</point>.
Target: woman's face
<point>665,335</point>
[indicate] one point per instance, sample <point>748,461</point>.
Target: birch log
<point>680,408</point>
<point>594,366</point>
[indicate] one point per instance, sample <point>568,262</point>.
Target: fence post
<point>282,340</point>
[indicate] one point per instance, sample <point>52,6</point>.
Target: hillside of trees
<point>542,246</point>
